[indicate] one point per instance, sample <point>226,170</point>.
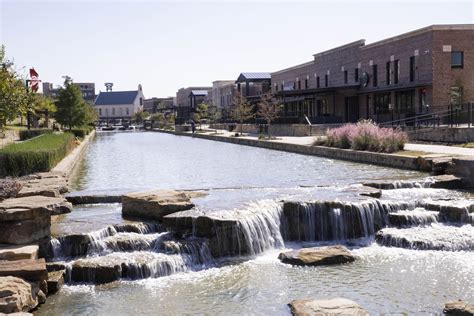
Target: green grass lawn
<point>466,145</point>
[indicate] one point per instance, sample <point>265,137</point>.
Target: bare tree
<point>242,110</point>
<point>269,109</point>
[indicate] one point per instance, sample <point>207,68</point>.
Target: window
<point>382,100</point>
<point>317,82</point>
<point>345,76</point>
<point>113,111</point>
<point>276,88</point>
<point>127,111</point>
<point>282,87</point>
<point>356,75</point>
<point>100,112</point>
<point>141,101</point>
<point>412,68</point>
<point>306,85</point>
<point>299,84</point>
<point>396,71</point>
<point>457,59</point>
<point>387,73</point>
<point>405,101</point>
<point>326,80</point>
<point>374,75</point>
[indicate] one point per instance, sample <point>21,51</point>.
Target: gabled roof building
<point>119,104</point>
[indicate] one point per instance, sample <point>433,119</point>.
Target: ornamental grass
<point>38,154</point>
<point>366,136</point>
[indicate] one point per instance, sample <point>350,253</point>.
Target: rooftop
<point>116,97</point>
<point>254,76</point>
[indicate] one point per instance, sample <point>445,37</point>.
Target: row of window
<point>120,110</point>
<point>457,61</point>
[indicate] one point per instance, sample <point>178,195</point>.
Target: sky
<point>166,45</point>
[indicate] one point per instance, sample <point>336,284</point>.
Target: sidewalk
<point>309,140</point>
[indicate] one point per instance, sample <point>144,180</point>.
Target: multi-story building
<point>87,90</point>
<point>187,99</point>
<point>253,84</point>
<point>119,104</point>
<point>154,105</point>
<point>222,95</point>
<point>395,78</point>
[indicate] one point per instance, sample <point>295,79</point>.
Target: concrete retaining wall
<point>280,129</point>
<point>69,163</point>
<point>390,160</point>
<point>446,135</point>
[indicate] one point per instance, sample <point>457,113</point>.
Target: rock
<point>458,307</point>
<point>369,191</point>
<point>25,231</point>
<point>55,266</point>
<point>55,281</point>
<point>464,168</point>
<point>456,211</point>
<point>31,270</point>
<point>97,272</point>
<point>317,256</point>
<point>416,217</point>
<point>11,253</point>
<point>17,295</point>
<point>93,199</point>
<point>54,205</point>
<point>155,204</point>
<point>39,191</point>
<point>335,306</point>
<point>446,181</point>
<point>44,182</point>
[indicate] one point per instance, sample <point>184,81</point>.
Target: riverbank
<point>25,223</point>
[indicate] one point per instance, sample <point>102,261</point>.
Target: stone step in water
<point>416,217</point>
<point>121,265</point>
<point>240,232</point>
<point>11,253</point>
<point>82,244</point>
<point>433,237</point>
<point>197,248</point>
<point>335,220</point>
<point>439,182</point>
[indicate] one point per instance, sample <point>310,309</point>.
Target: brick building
<point>396,78</point>
<point>87,90</point>
<point>187,99</point>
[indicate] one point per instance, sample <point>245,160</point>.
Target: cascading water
<point>416,217</point>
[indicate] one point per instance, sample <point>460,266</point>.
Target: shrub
<point>82,131</point>
<point>30,133</point>
<point>35,155</point>
<point>9,188</point>
<point>366,135</point>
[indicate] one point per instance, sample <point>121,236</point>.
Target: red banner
<point>34,82</point>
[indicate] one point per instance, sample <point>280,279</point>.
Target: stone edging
<point>389,160</point>
<point>69,163</point>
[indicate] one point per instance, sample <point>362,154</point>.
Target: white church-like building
<point>119,104</point>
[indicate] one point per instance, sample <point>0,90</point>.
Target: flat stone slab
<point>459,308</point>
<point>93,199</point>
<point>335,306</point>
<point>26,231</point>
<point>446,181</point>
<point>156,204</point>
<point>16,295</point>
<point>11,253</point>
<point>317,256</point>
<point>34,203</point>
<point>31,270</point>
<point>55,281</point>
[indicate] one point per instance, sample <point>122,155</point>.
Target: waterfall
<point>416,217</point>
<point>195,251</point>
<point>432,237</point>
<point>329,220</point>
<point>248,232</point>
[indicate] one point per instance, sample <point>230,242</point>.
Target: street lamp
<point>390,108</point>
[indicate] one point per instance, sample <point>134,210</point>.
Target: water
<point>230,266</point>
<point>135,161</point>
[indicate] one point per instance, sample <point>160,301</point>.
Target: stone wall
<point>10,137</point>
<point>279,129</point>
<point>446,135</point>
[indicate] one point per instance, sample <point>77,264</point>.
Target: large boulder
<point>96,271</point>
<point>55,205</point>
<point>31,270</point>
<point>25,232</point>
<point>17,295</point>
<point>156,204</point>
<point>11,253</point>
<point>317,256</point>
<point>459,308</point>
<point>335,306</point>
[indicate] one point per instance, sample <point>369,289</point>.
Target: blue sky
<point>165,45</point>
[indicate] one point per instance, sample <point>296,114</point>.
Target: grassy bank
<point>38,154</point>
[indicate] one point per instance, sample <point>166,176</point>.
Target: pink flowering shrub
<point>366,135</point>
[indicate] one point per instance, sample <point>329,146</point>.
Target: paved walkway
<point>440,149</point>
<point>309,140</point>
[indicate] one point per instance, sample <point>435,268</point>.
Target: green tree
<point>269,109</point>
<point>14,98</point>
<point>201,113</point>
<point>214,115</point>
<point>242,110</point>
<point>71,109</point>
<point>43,105</point>
<point>159,118</point>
